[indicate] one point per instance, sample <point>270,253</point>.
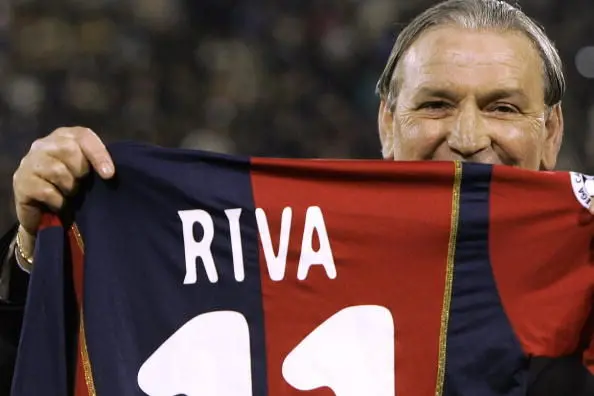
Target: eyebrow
<point>491,96</point>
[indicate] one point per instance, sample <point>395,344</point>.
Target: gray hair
<point>478,14</point>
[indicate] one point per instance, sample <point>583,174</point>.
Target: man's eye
<point>435,105</point>
<point>505,108</point>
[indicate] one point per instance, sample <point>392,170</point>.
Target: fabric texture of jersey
<point>194,273</point>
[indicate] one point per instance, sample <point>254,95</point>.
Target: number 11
<point>352,353</point>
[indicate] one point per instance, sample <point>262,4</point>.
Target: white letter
<point>236,247</point>
<point>194,249</point>
<point>275,263</point>
<point>314,220</point>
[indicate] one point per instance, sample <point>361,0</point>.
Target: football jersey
<point>193,273</point>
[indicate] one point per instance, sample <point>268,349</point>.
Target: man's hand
<point>50,172</point>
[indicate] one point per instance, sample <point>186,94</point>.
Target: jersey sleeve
<point>541,250</point>
<point>541,241</point>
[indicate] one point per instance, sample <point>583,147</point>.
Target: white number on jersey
<point>207,356</point>
<point>352,353</point>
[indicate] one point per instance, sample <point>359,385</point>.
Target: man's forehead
<point>448,55</point>
<point>452,45</point>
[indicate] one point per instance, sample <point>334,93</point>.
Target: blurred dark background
<point>287,78</point>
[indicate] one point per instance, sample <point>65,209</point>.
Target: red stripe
<point>80,385</point>
<point>360,204</point>
<point>49,220</point>
<point>77,257</point>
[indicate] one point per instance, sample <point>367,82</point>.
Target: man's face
<point>471,95</point>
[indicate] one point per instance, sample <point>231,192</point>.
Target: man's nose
<point>467,135</point>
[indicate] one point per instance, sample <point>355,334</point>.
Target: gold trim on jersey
<point>86,362</point>
<point>449,279</point>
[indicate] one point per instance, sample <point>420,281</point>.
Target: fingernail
<point>106,169</point>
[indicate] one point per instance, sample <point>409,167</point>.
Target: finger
<point>63,148</point>
<point>591,208</point>
<point>40,191</point>
<point>96,152</point>
<point>56,172</point>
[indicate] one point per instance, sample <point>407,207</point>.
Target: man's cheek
<point>420,138</point>
<point>523,145</point>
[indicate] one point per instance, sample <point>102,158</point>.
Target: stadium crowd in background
<point>288,78</point>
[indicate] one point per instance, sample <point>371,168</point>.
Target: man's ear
<point>553,138</point>
<point>385,123</point>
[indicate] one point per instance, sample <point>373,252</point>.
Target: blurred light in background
<point>584,61</point>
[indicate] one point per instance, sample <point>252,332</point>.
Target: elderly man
<point>470,80</point>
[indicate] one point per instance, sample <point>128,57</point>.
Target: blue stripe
<point>46,343</point>
<point>135,263</point>
<point>484,357</point>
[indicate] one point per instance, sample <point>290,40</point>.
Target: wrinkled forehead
<point>462,58</point>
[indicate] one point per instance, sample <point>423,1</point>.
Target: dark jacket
<point>11,311</point>
<point>547,377</point>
